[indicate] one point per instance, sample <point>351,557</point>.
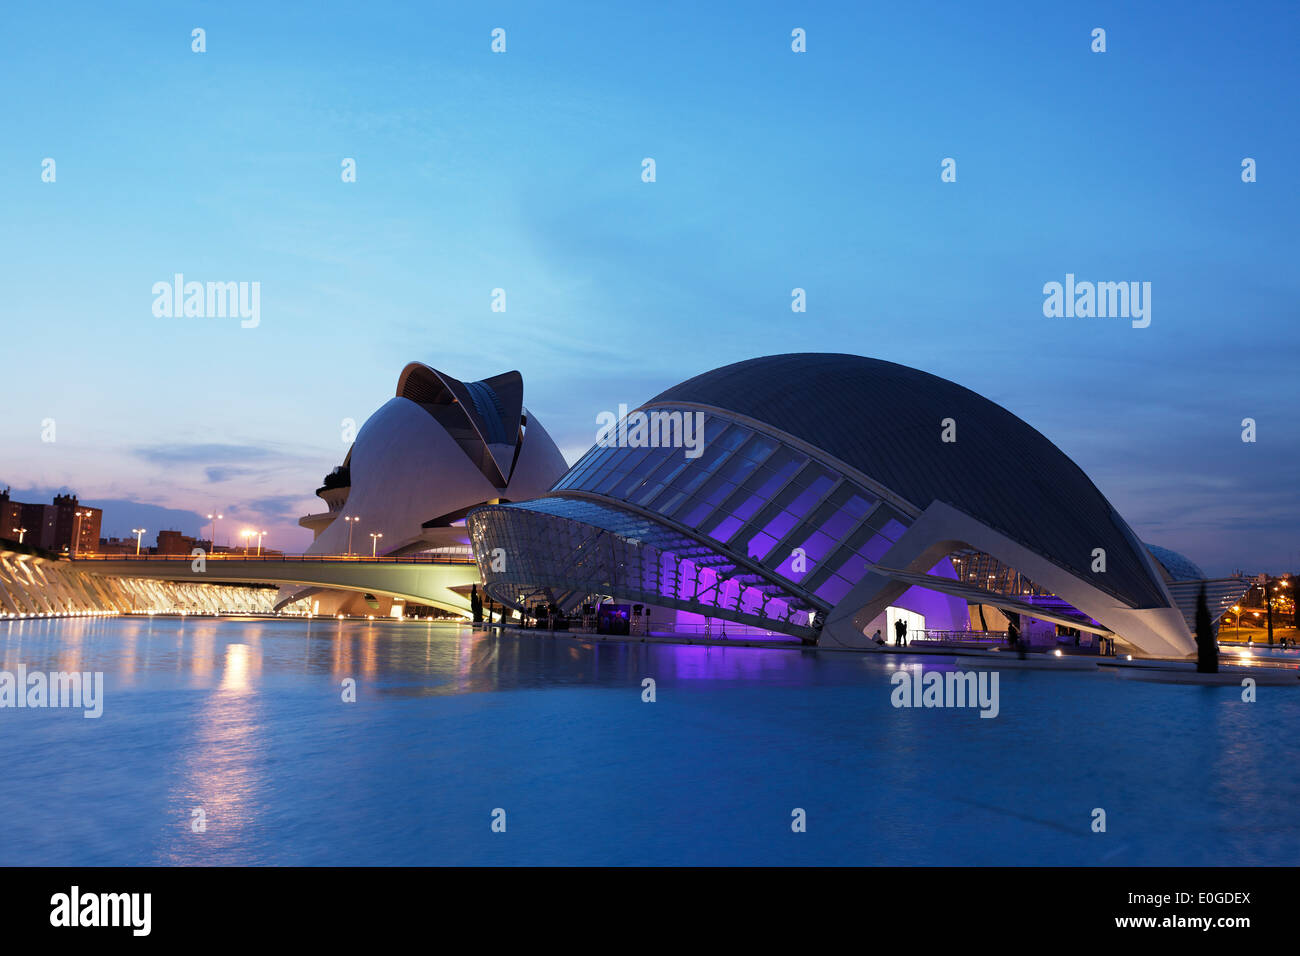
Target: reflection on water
<point>218,779</point>
<point>245,720</point>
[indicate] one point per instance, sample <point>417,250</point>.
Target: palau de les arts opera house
<point>827,500</point>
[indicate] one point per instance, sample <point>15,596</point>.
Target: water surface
<point>245,720</point>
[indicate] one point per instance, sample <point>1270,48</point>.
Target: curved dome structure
<point>823,495</point>
<point>424,459</point>
<point>884,421</point>
<point>1176,566</point>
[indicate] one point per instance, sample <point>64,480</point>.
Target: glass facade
<point>570,551</point>
<point>753,497</point>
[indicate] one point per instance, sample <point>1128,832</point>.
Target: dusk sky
<point>523,171</point>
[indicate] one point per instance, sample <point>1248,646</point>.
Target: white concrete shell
<point>427,456</point>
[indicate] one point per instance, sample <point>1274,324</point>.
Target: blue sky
<point>522,171</point>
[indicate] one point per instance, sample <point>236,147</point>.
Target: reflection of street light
<point>214,519</point>
<point>351,524</point>
<point>137,532</point>
<point>374,542</point>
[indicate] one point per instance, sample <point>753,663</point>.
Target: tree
<point>476,604</point>
<point>1269,587</point>
<point>1207,649</point>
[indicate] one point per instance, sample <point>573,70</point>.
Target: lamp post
<point>21,532</point>
<point>1271,584</point>
<point>76,529</point>
<point>137,532</point>
<point>1236,610</point>
<point>246,534</point>
<point>260,535</point>
<point>352,523</point>
<point>374,542</point>
<point>214,519</point>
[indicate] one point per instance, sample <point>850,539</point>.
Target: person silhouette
<point>877,638</point>
<point>900,632</point>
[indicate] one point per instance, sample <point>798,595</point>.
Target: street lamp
<point>246,534</point>
<point>352,522</point>
<point>260,535</point>
<point>374,542</point>
<point>21,532</point>
<point>76,529</point>
<point>1236,609</point>
<point>214,519</point>
<point>137,532</point>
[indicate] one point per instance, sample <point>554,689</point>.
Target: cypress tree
<point>1207,651</point>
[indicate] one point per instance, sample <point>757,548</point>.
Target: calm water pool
<point>244,719</point>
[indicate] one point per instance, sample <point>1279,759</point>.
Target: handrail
<point>322,558</point>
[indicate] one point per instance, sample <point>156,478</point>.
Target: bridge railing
<point>322,558</point>
<point>930,635</point>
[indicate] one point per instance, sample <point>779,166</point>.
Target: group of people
<point>900,634</point>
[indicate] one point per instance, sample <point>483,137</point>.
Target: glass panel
<point>839,524</point>
<point>852,567</point>
<point>859,504</point>
<point>810,495</point>
<point>812,474</point>
<point>666,503</point>
<point>584,467</point>
<point>826,511</point>
<point>623,466</point>
<point>725,529</point>
<point>893,529</point>
<point>780,525</point>
<point>600,468</point>
<point>713,427</point>
<point>641,496</point>
<point>817,545</point>
<point>785,566</point>
<point>716,491</point>
<point>641,472</point>
<point>834,589</point>
<point>776,471</point>
<point>733,437</point>
<point>816,576</point>
<point>737,469</point>
<point>741,505</point>
<point>696,513</point>
<point>875,549</point>
<point>758,448</point>
<point>670,470</point>
<point>759,545</point>
<point>702,467</point>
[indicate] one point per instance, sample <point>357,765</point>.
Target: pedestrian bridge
<point>420,579</point>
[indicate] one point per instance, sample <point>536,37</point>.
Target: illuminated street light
<point>351,524</point>
<point>21,532</point>
<point>137,532</point>
<point>260,536</point>
<point>374,542</point>
<point>76,529</point>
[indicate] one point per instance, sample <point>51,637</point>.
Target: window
<point>834,589</point>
